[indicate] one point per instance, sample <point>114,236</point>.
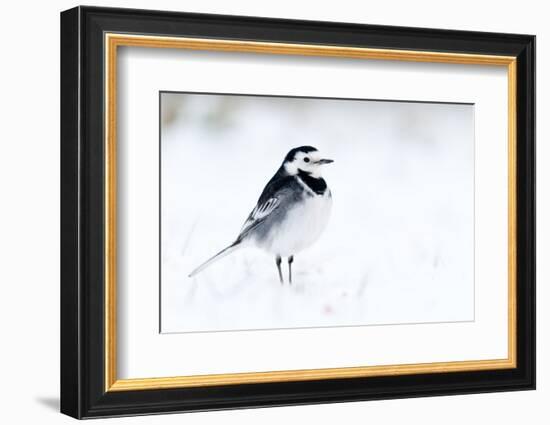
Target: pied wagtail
<point>291,213</point>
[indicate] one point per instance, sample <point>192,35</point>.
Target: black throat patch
<point>317,185</point>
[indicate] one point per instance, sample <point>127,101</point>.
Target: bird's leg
<point>290,261</point>
<point>278,262</point>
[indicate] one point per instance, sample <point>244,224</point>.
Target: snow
<point>399,244</point>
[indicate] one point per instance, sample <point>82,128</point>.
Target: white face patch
<point>306,162</point>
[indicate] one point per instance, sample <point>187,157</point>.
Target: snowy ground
<point>399,245</point>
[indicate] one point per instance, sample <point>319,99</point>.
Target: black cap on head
<point>292,153</point>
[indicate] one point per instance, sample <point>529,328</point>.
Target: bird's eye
<point>306,159</point>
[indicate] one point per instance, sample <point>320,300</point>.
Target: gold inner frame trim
<point>113,41</point>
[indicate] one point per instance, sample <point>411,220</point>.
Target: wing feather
<point>259,214</point>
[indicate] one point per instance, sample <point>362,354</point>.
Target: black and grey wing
<point>273,198</point>
<point>259,214</point>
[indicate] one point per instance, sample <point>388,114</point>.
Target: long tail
<point>226,251</point>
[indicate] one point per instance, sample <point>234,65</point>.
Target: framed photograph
<point>261,212</point>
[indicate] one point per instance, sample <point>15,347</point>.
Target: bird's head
<point>306,159</point>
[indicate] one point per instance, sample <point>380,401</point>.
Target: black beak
<point>324,161</point>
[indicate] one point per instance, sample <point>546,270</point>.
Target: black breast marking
<point>317,185</point>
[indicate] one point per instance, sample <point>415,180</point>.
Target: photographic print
<point>363,196</point>
<point>287,212</point>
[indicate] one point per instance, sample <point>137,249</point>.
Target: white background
<point>29,225</point>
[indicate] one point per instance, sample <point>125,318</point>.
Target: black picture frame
<point>83,392</point>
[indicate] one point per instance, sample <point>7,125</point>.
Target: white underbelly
<point>303,225</point>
